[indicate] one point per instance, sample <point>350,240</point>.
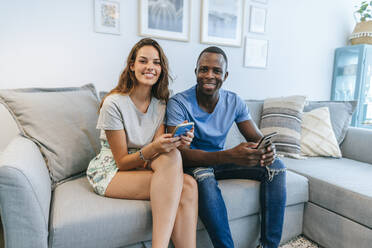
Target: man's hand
<point>269,156</point>
<point>187,139</point>
<point>245,154</point>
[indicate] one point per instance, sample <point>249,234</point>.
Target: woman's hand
<point>166,143</point>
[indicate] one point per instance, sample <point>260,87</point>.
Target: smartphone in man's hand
<point>265,141</point>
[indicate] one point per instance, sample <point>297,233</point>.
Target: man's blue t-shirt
<point>210,129</point>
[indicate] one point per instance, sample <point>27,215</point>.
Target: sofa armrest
<point>25,195</point>
<point>357,144</point>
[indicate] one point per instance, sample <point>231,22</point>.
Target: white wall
<point>51,43</point>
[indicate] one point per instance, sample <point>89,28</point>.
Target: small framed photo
<point>107,17</point>
<point>256,52</point>
<point>257,22</point>
<point>222,22</point>
<point>165,19</point>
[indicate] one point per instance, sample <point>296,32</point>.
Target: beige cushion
<point>284,115</point>
<point>340,112</point>
<point>8,130</point>
<point>61,121</point>
<point>317,137</point>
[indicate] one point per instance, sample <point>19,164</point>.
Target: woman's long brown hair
<point>128,81</point>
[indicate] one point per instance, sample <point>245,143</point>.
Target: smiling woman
<point>138,161</point>
<point>146,67</point>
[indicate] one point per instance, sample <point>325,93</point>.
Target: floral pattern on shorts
<point>102,169</point>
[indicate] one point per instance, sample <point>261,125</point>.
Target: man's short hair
<point>213,49</point>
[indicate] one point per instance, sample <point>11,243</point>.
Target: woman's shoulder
<point>159,105</point>
<point>115,98</point>
<point>157,101</point>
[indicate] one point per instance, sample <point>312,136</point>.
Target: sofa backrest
<point>255,108</point>
<point>234,137</point>
<point>8,128</point>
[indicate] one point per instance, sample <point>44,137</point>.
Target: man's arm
<point>250,131</point>
<point>241,154</point>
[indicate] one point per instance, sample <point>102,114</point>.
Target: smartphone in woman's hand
<point>182,129</point>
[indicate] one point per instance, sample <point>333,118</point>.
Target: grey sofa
<point>322,201</point>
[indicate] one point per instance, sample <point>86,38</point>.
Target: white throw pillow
<point>317,135</point>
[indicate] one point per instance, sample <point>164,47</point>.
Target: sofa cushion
<point>283,115</point>
<point>61,121</point>
<point>102,94</point>
<point>8,129</point>
<point>343,186</point>
<point>81,218</point>
<point>317,136</point>
<point>255,109</point>
<point>340,112</point>
<point>234,137</point>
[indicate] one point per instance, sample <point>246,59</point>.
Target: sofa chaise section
<point>339,212</point>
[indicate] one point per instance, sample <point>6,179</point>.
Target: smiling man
<point>214,110</point>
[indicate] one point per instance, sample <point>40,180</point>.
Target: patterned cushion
<point>340,113</point>
<point>317,136</point>
<point>61,121</point>
<point>284,115</point>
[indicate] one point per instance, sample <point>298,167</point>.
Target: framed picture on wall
<point>260,1</point>
<point>222,22</point>
<point>256,53</point>
<point>107,17</point>
<point>257,22</point>
<point>166,19</point>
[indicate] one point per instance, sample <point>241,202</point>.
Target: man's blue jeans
<point>212,209</point>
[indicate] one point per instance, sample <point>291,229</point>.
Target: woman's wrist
<point>142,157</point>
<point>147,152</point>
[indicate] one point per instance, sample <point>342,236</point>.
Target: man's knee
<point>277,168</point>
<point>278,164</point>
<point>202,173</point>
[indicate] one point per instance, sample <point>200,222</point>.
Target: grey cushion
<point>102,94</point>
<point>61,121</point>
<point>341,185</point>
<point>81,218</point>
<point>357,144</point>
<point>340,112</point>
<point>255,108</point>
<point>8,129</point>
<point>234,137</point>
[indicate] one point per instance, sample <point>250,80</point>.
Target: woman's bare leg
<point>163,187</point>
<point>184,231</point>
<point>165,194</point>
